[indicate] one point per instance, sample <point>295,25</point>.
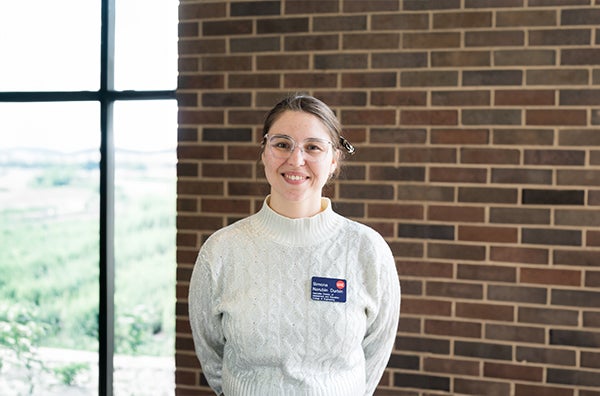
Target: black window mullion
<point>107,207</point>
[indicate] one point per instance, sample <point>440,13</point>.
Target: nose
<point>296,156</point>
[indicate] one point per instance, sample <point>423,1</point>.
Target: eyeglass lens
<point>282,147</point>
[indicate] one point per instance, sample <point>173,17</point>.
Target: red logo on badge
<point>340,284</point>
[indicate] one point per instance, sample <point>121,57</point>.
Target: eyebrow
<point>310,139</point>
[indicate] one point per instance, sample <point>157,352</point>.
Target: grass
<point>49,257</point>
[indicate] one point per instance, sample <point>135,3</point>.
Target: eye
<point>316,147</point>
<point>281,144</point>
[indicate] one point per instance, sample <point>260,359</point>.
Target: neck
<point>295,210</point>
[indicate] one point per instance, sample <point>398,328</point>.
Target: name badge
<point>328,289</point>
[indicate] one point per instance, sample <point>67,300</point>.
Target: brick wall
<point>477,127</point>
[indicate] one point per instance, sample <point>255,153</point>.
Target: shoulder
<point>223,237</point>
<point>219,246</point>
<point>362,233</point>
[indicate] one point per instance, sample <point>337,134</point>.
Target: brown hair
<point>311,105</point>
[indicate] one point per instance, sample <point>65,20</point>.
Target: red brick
<point>337,61</point>
<point>226,63</point>
<point>513,371</point>
<point>583,56</point>
<point>227,28</point>
<point>368,117</point>
<point>557,77</point>
<point>396,211</point>
<point>189,11</point>
<point>428,78</point>
<point>492,77</point>
<point>551,277</point>
<point>428,155</point>
<point>511,97</point>
<point>226,170</point>
<point>454,290</point>
<point>527,390</point>
<point>310,80</point>
<point>451,366</point>
<point>282,25</point>
<point>593,238</point>
<point>372,80</point>
<point>430,40</point>
<point>489,156</point>
<point>339,23</point>
<point>353,41</point>
<point>457,175</point>
<point>540,137</point>
<point>419,5</point>
<point>419,306</point>
<point>428,117</point>
<point>454,20</point>
<point>253,81</point>
<point>311,7</point>
<point>208,46</point>
<point>524,255</point>
<point>199,152</point>
<point>526,18</point>
<point>483,311</point>
<point>460,98</point>
<point>453,328</point>
<point>560,37</point>
<point>399,98</point>
<point>404,21</point>
<point>375,6</point>
<point>422,269</point>
<point>399,60</point>
<point>456,213</point>
<point>555,117</point>
<point>488,234</point>
<point>325,42</point>
<point>499,38</point>
<point>525,57</point>
<point>460,136</point>
<point>282,62</point>
<point>206,81</point>
<point>493,273</point>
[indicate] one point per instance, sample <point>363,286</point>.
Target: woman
<point>295,299</point>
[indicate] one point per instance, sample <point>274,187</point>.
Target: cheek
<point>271,164</point>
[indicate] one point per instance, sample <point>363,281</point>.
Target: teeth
<point>293,177</point>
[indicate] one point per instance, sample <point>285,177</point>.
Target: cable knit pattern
<point>256,330</point>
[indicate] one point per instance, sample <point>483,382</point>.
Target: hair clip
<point>346,144</point>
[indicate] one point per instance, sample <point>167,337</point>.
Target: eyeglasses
<point>313,150</point>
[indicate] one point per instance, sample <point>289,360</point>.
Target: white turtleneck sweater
<point>262,326</point>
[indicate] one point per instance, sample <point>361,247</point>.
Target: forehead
<point>300,125</point>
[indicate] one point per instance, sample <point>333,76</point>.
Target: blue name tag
<point>328,289</point>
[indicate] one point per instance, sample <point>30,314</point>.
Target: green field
<point>49,256</point>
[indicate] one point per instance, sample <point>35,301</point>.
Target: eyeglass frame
<point>307,156</point>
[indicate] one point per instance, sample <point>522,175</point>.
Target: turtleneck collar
<point>297,232</point>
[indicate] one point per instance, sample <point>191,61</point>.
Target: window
<point>87,196</point>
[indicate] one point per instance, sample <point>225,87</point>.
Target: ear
<point>334,161</point>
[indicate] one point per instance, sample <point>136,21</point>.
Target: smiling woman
<point>307,301</point>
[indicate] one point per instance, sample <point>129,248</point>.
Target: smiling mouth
<point>294,177</point>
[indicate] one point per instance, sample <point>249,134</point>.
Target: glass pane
<point>146,45</point>
<point>50,45</point>
<point>145,263</point>
<point>49,241</point>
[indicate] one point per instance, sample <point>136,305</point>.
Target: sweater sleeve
<point>205,322</point>
<point>382,326</point>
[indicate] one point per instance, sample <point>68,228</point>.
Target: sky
<point>45,48</point>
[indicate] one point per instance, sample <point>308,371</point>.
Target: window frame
<point>106,96</point>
